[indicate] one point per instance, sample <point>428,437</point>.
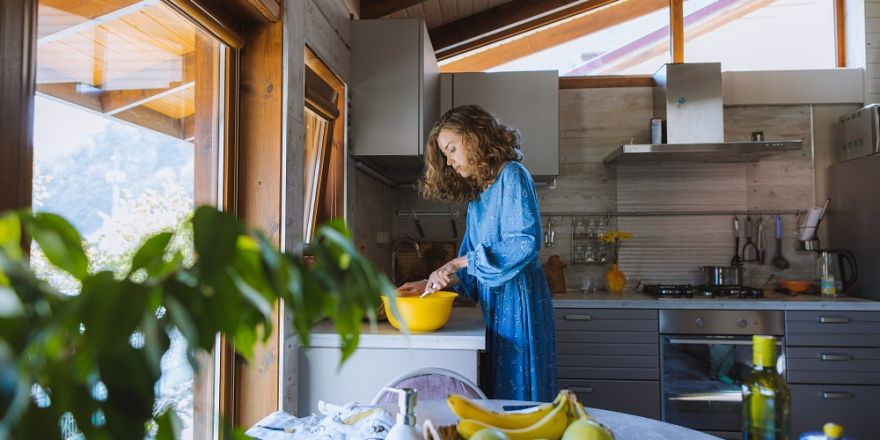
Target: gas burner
<point>687,291</point>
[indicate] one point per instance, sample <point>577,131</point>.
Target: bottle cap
<point>764,354</point>
<point>833,430</point>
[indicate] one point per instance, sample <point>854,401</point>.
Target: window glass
<point>316,133</point>
<point>629,38</point>
<point>761,34</point>
<point>635,45</point>
<point>126,141</point>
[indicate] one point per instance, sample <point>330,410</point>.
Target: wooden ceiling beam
<point>380,8</point>
<point>115,101</point>
<point>74,93</point>
<point>504,21</point>
<point>153,120</point>
<point>491,20</point>
<point>97,20</point>
<point>88,98</point>
<point>594,20</point>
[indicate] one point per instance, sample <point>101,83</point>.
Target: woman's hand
<point>412,288</point>
<point>445,275</point>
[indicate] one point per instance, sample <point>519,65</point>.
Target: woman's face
<point>451,144</point>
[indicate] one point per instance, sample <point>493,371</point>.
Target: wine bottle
<point>766,397</point>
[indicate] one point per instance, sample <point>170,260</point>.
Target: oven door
<point>701,380</point>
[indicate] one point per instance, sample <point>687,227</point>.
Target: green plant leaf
<point>169,426</point>
<point>60,242</point>
<point>10,234</point>
<point>151,253</point>
<point>215,236</point>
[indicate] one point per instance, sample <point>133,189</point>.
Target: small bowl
<point>796,286</point>
<point>421,314</point>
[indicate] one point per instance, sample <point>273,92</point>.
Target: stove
<point>687,291</point>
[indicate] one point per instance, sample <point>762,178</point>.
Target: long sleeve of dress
<point>467,283</point>
<point>495,261</point>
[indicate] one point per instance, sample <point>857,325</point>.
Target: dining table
<point>624,426</point>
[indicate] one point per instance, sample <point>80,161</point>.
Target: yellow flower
<point>614,236</point>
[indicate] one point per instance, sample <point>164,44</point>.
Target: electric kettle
<point>838,263</point>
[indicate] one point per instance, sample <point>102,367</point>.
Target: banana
<point>551,426</point>
<point>466,408</point>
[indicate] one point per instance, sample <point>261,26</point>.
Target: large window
<point>632,37</point>
<point>127,142</point>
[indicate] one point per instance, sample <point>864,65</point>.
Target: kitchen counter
<point>636,300</point>
<point>465,330</point>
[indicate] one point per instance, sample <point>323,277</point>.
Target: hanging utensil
<point>778,260</point>
<point>549,234</point>
<point>750,245</point>
<point>762,251</point>
<point>736,260</point>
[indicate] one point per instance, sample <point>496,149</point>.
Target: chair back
<point>431,384</point>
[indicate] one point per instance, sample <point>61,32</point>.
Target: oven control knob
<point>699,322</point>
<point>742,323</point>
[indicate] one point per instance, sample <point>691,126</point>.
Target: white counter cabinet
<point>383,355</point>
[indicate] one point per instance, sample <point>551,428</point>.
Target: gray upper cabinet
<point>395,87</point>
<point>528,101</point>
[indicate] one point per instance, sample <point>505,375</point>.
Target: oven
<point>705,355</point>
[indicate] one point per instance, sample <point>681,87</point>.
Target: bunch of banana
<point>548,421</point>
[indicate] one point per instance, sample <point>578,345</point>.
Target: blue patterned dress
<point>504,275</point>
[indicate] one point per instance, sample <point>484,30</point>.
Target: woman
<point>472,157</point>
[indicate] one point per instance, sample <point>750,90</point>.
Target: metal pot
<point>722,275</point>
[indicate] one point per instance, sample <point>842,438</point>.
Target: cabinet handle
<point>835,357</point>
<point>836,395</point>
<point>833,319</point>
<point>578,317</point>
<point>582,389</point>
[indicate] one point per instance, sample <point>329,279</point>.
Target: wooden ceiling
<point>133,60</point>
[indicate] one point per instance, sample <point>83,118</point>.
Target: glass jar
<point>579,255</point>
<point>602,252</point>
<point>592,228</point>
<point>580,230</point>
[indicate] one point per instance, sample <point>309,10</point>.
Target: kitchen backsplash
<point>593,122</point>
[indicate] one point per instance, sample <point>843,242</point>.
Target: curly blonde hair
<point>488,144</point>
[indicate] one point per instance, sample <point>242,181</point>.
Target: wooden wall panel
<point>17,82</point>
<point>260,197</point>
<point>327,34</point>
<point>294,190</point>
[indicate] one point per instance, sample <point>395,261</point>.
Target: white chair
<point>431,383</point>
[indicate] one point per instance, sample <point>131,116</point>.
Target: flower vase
<point>615,280</point>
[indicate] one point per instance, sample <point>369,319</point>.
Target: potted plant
<point>113,333</point>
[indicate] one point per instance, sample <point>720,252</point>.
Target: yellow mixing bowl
<point>422,314</point>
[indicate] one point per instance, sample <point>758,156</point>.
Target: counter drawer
<point>834,365</point>
<point>850,406</point>
<point>632,397</point>
<point>606,320</point>
<point>832,328</point>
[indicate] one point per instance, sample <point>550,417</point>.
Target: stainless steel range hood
<point>689,98</point>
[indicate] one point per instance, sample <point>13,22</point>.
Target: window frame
<point>18,66</point>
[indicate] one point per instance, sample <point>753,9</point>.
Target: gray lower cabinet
<point>610,358</point>
<point>834,370</point>
<point>851,406</point>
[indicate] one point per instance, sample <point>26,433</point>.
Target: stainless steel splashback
<point>689,98</point>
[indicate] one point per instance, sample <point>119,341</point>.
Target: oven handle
<point>678,341</point>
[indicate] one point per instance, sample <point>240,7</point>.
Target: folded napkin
<point>352,421</point>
